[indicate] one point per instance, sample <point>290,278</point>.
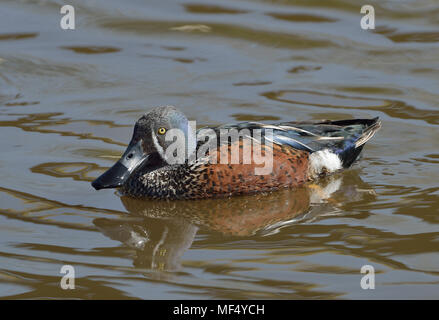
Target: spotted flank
<point>299,152</point>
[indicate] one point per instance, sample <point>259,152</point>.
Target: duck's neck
<point>168,182</point>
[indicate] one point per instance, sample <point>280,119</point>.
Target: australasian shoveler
<point>299,151</point>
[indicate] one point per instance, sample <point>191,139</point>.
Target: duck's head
<point>154,134</point>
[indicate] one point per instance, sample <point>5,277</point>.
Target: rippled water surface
<point>68,101</point>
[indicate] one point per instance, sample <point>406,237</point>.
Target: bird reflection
<point>161,231</point>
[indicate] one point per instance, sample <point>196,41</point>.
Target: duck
<point>168,159</point>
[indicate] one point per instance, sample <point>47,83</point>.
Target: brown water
<point>68,101</point>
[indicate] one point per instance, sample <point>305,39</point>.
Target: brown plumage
<point>289,170</point>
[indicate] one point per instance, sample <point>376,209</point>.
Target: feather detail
<point>368,134</point>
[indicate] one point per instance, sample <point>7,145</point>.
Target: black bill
<point>119,173</point>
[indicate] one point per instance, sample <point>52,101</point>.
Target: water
<point>68,101</point>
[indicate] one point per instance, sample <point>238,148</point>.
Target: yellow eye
<point>161,131</point>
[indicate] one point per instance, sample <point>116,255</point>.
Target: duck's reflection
<point>159,243</point>
<point>161,231</point>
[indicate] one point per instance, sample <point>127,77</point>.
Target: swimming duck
<point>297,152</point>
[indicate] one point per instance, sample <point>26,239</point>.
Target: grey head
<point>161,137</point>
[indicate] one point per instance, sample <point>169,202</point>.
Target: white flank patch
<point>323,161</point>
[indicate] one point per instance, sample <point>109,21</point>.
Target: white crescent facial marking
<point>157,144</point>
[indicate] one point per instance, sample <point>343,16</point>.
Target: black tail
<point>353,147</point>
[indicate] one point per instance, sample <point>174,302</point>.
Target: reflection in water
<point>17,36</point>
<point>159,243</point>
<point>91,49</point>
<point>394,108</point>
<point>161,231</point>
